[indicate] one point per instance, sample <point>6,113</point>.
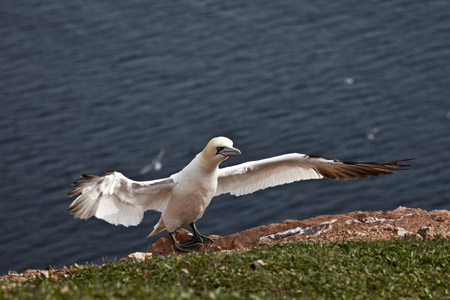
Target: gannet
<point>183,197</point>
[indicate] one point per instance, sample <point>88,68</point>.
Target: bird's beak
<point>229,151</point>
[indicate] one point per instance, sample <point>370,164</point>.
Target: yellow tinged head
<point>220,148</point>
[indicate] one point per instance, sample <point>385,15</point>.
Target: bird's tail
<point>158,227</point>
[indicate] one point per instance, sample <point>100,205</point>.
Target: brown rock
<point>402,222</point>
<point>164,245</point>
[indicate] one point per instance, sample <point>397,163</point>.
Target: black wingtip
<point>398,164</point>
<point>393,164</point>
<point>404,165</point>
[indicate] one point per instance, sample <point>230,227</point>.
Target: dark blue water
<point>94,86</point>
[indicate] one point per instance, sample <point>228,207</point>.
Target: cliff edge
<point>401,223</point>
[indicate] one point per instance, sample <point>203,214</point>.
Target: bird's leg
<point>185,247</point>
<point>199,236</point>
<point>194,243</point>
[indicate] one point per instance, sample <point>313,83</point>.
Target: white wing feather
<point>252,176</point>
<point>117,199</point>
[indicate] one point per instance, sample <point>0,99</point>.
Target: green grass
<point>394,269</point>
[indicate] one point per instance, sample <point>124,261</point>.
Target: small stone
<point>44,273</point>
<point>425,232</point>
<point>184,271</point>
<point>257,264</point>
<point>406,234</point>
<point>401,231</point>
<point>139,256</point>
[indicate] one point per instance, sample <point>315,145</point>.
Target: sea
<point>140,87</point>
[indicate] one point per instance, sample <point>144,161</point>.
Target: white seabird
<point>183,197</point>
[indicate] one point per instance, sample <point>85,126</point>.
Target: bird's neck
<point>206,164</point>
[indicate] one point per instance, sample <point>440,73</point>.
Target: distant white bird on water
<point>183,197</point>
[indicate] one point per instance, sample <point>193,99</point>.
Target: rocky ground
<point>404,223</point>
<point>401,223</point>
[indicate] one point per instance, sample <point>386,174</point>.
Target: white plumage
<point>253,176</point>
<point>183,197</point>
<point>117,199</point>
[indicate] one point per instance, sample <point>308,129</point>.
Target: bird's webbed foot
<point>189,246</point>
<point>205,238</point>
<point>196,241</point>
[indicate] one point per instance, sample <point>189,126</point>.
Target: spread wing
<point>117,199</point>
<point>252,176</point>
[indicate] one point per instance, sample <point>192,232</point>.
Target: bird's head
<point>218,149</point>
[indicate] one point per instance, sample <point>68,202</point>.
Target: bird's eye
<point>219,149</point>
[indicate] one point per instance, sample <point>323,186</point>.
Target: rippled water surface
<point>94,86</point>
